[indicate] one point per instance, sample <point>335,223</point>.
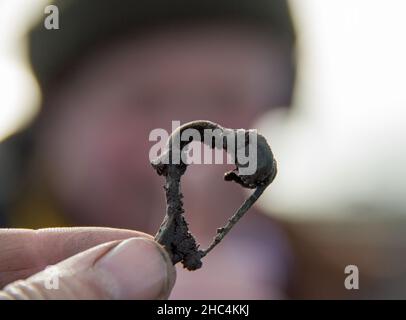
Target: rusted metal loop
<point>174,233</point>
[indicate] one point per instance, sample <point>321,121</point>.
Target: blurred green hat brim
<point>85,24</point>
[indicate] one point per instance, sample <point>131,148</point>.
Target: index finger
<point>24,252</point>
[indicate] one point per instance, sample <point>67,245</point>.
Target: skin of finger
<point>79,279</point>
<point>25,251</point>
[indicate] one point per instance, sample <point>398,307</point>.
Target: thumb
<point>136,268</point>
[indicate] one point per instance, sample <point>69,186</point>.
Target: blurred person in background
<point>114,72</point>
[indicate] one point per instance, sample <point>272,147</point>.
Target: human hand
<point>88,263</point>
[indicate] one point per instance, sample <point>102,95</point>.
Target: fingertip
<point>137,268</point>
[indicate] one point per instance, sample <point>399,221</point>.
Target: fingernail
<point>137,268</point>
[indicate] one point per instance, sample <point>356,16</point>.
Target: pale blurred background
<point>344,144</point>
<point>341,188</point>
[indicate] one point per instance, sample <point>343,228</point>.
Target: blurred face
<point>95,144</point>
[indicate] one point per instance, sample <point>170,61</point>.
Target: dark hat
<point>83,24</point>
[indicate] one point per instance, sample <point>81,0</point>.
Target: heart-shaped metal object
<point>174,233</point>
